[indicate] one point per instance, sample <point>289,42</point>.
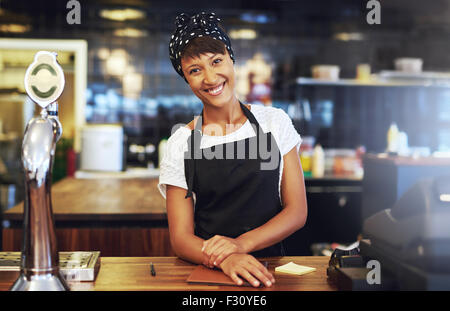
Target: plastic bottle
<point>305,160</point>
<point>402,147</point>
<point>161,150</point>
<point>392,138</point>
<point>318,162</point>
<point>306,151</point>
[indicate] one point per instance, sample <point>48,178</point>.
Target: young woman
<point>232,178</point>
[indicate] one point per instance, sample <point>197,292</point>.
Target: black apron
<point>233,194</point>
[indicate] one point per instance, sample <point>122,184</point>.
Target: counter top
<point>109,199</point>
<point>133,274</point>
<point>105,198</point>
<point>129,173</point>
<point>407,161</point>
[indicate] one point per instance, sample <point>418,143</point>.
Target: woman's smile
<point>216,90</point>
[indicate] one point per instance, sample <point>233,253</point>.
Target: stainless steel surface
<point>39,260</point>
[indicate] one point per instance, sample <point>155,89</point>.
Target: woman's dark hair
<point>203,45</point>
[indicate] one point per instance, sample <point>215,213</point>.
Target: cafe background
<point>350,86</point>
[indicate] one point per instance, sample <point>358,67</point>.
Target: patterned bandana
<point>191,27</point>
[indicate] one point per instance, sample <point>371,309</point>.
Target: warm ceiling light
<point>122,14</point>
<point>117,62</point>
<point>14,28</point>
<point>349,36</point>
<point>103,53</point>
<point>130,32</point>
<point>246,34</point>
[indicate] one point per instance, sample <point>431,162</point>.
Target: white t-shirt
<point>270,119</point>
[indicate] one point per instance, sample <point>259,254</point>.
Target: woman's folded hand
<point>245,266</point>
<point>218,248</point>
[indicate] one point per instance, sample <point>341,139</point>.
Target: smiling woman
<point>224,210</point>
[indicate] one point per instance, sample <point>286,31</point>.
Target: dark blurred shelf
<point>378,81</point>
<point>334,178</point>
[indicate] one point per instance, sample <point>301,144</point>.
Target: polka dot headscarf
<point>191,27</point>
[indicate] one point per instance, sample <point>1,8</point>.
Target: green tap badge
<point>44,79</point>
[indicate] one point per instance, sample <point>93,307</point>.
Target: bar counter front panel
<point>118,217</point>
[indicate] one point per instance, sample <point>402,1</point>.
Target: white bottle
<point>318,162</point>
<point>161,150</point>
<point>392,138</point>
<point>402,147</point>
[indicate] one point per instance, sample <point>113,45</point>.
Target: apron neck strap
<point>247,113</point>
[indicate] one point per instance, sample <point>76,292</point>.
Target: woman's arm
<point>290,219</point>
<point>180,216</point>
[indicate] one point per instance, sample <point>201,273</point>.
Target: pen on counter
<point>152,269</point>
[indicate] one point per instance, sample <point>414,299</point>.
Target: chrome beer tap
<point>44,83</point>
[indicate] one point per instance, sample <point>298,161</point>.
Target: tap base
<point>43,282</point>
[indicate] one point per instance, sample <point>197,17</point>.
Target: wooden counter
<point>118,217</point>
<point>103,200</point>
<point>133,274</point>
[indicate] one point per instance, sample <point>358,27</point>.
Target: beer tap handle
<point>44,83</point>
<point>44,79</point>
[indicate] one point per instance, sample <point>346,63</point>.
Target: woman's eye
<point>195,70</point>
<point>217,60</point>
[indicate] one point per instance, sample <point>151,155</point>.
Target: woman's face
<point>211,78</point>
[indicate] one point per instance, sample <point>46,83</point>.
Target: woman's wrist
<point>246,243</point>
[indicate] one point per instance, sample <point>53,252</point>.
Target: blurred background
<point>351,87</point>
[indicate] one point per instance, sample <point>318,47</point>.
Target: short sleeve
<point>172,164</point>
<point>289,138</point>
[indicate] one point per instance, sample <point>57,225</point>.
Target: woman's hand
<point>248,267</point>
<point>220,247</point>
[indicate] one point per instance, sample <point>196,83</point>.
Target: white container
<point>392,138</point>
<point>402,145</point>
<point>102,148</point>
<point>410,65</point>
<point>325,72</point>
<point>318,162</point>
<point>162,147</point>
